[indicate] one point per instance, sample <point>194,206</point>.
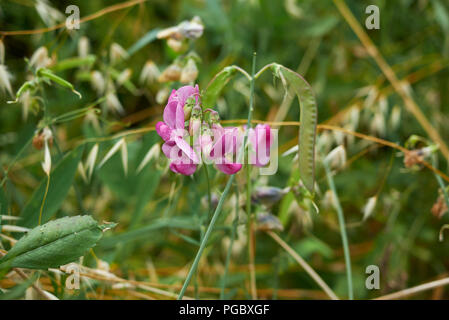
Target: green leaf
<point>142,42</point>
<point>61,178</point>
<point>308,119</point>
<point>55,243</point>
<point>216,85</point>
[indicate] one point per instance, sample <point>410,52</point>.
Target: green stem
<point>209,194</point>
<point>251,250</point>
<point>231,243</point>
<point>206,237</point>
<point>341,221</point>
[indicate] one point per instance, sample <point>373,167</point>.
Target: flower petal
<point>183,93</point>
<point>163,130</point>
<point>174,115</point>
<point>185,169</point>
<point>187,149</point>
<point>229,168</point>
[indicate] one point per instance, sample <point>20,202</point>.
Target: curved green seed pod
<point>25,86</point>
<point>308,119</point>
<point>50,75</point>
<point>55,243</point>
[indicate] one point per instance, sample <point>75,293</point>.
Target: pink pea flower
<point>260,140</point>
<point>224,149</point>
<point>183,158</point>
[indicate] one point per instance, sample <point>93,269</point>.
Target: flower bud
<point>174,44</point>
<point>190,72</point>
<point>267,195</point>
<point>195,121</point>
<point>41,136</point>
<point>171,73</point>
<point>192,29</point>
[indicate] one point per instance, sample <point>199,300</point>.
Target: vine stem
<point>205,238</point>
<point>231,243</point>
<point>344,236</point>
<point>251,235</point>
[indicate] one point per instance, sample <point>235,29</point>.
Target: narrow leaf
<point>216,85</point>
<point>111,152</point>
<point>55,243</point>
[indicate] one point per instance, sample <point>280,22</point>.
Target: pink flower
<point>260,140</point>
<point>224,149</point>
<point>183,158</point>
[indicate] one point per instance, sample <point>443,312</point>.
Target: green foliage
<point>60,182</point>
<point>55,243</point>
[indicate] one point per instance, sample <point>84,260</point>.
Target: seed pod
<point>192,29</point>
<point>190,72</point>
<point>267,195</point>
<point>62,82</point>
<point>83,47</point>
<point>171,73</point>
<point>268,222</point>
<point>150,73</point>
<point>174,44</point>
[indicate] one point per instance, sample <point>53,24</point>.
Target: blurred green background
<point>401,234</point>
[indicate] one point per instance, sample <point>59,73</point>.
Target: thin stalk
<point>414,290</point>
<point>341,221</point>
<point>304,265</point>
<point>231,244</point>
<point>206,237</point>
<point>251,239</point>
<point>209,210</point>
<point>43,200</point>
<point>209,194</point>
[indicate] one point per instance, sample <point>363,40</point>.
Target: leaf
<point>142,42</point>
<point>61,180</point>
<point>216,85</point>
<point>308,119</point>
<point>55,243</point>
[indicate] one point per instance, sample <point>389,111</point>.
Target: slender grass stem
<point>206,237</point>
<point>304,265</point>
<point>43,200</point>
<point>235,224</point>
<point>341,221</point>
<point>209,193</point>
<point>251,239</point>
